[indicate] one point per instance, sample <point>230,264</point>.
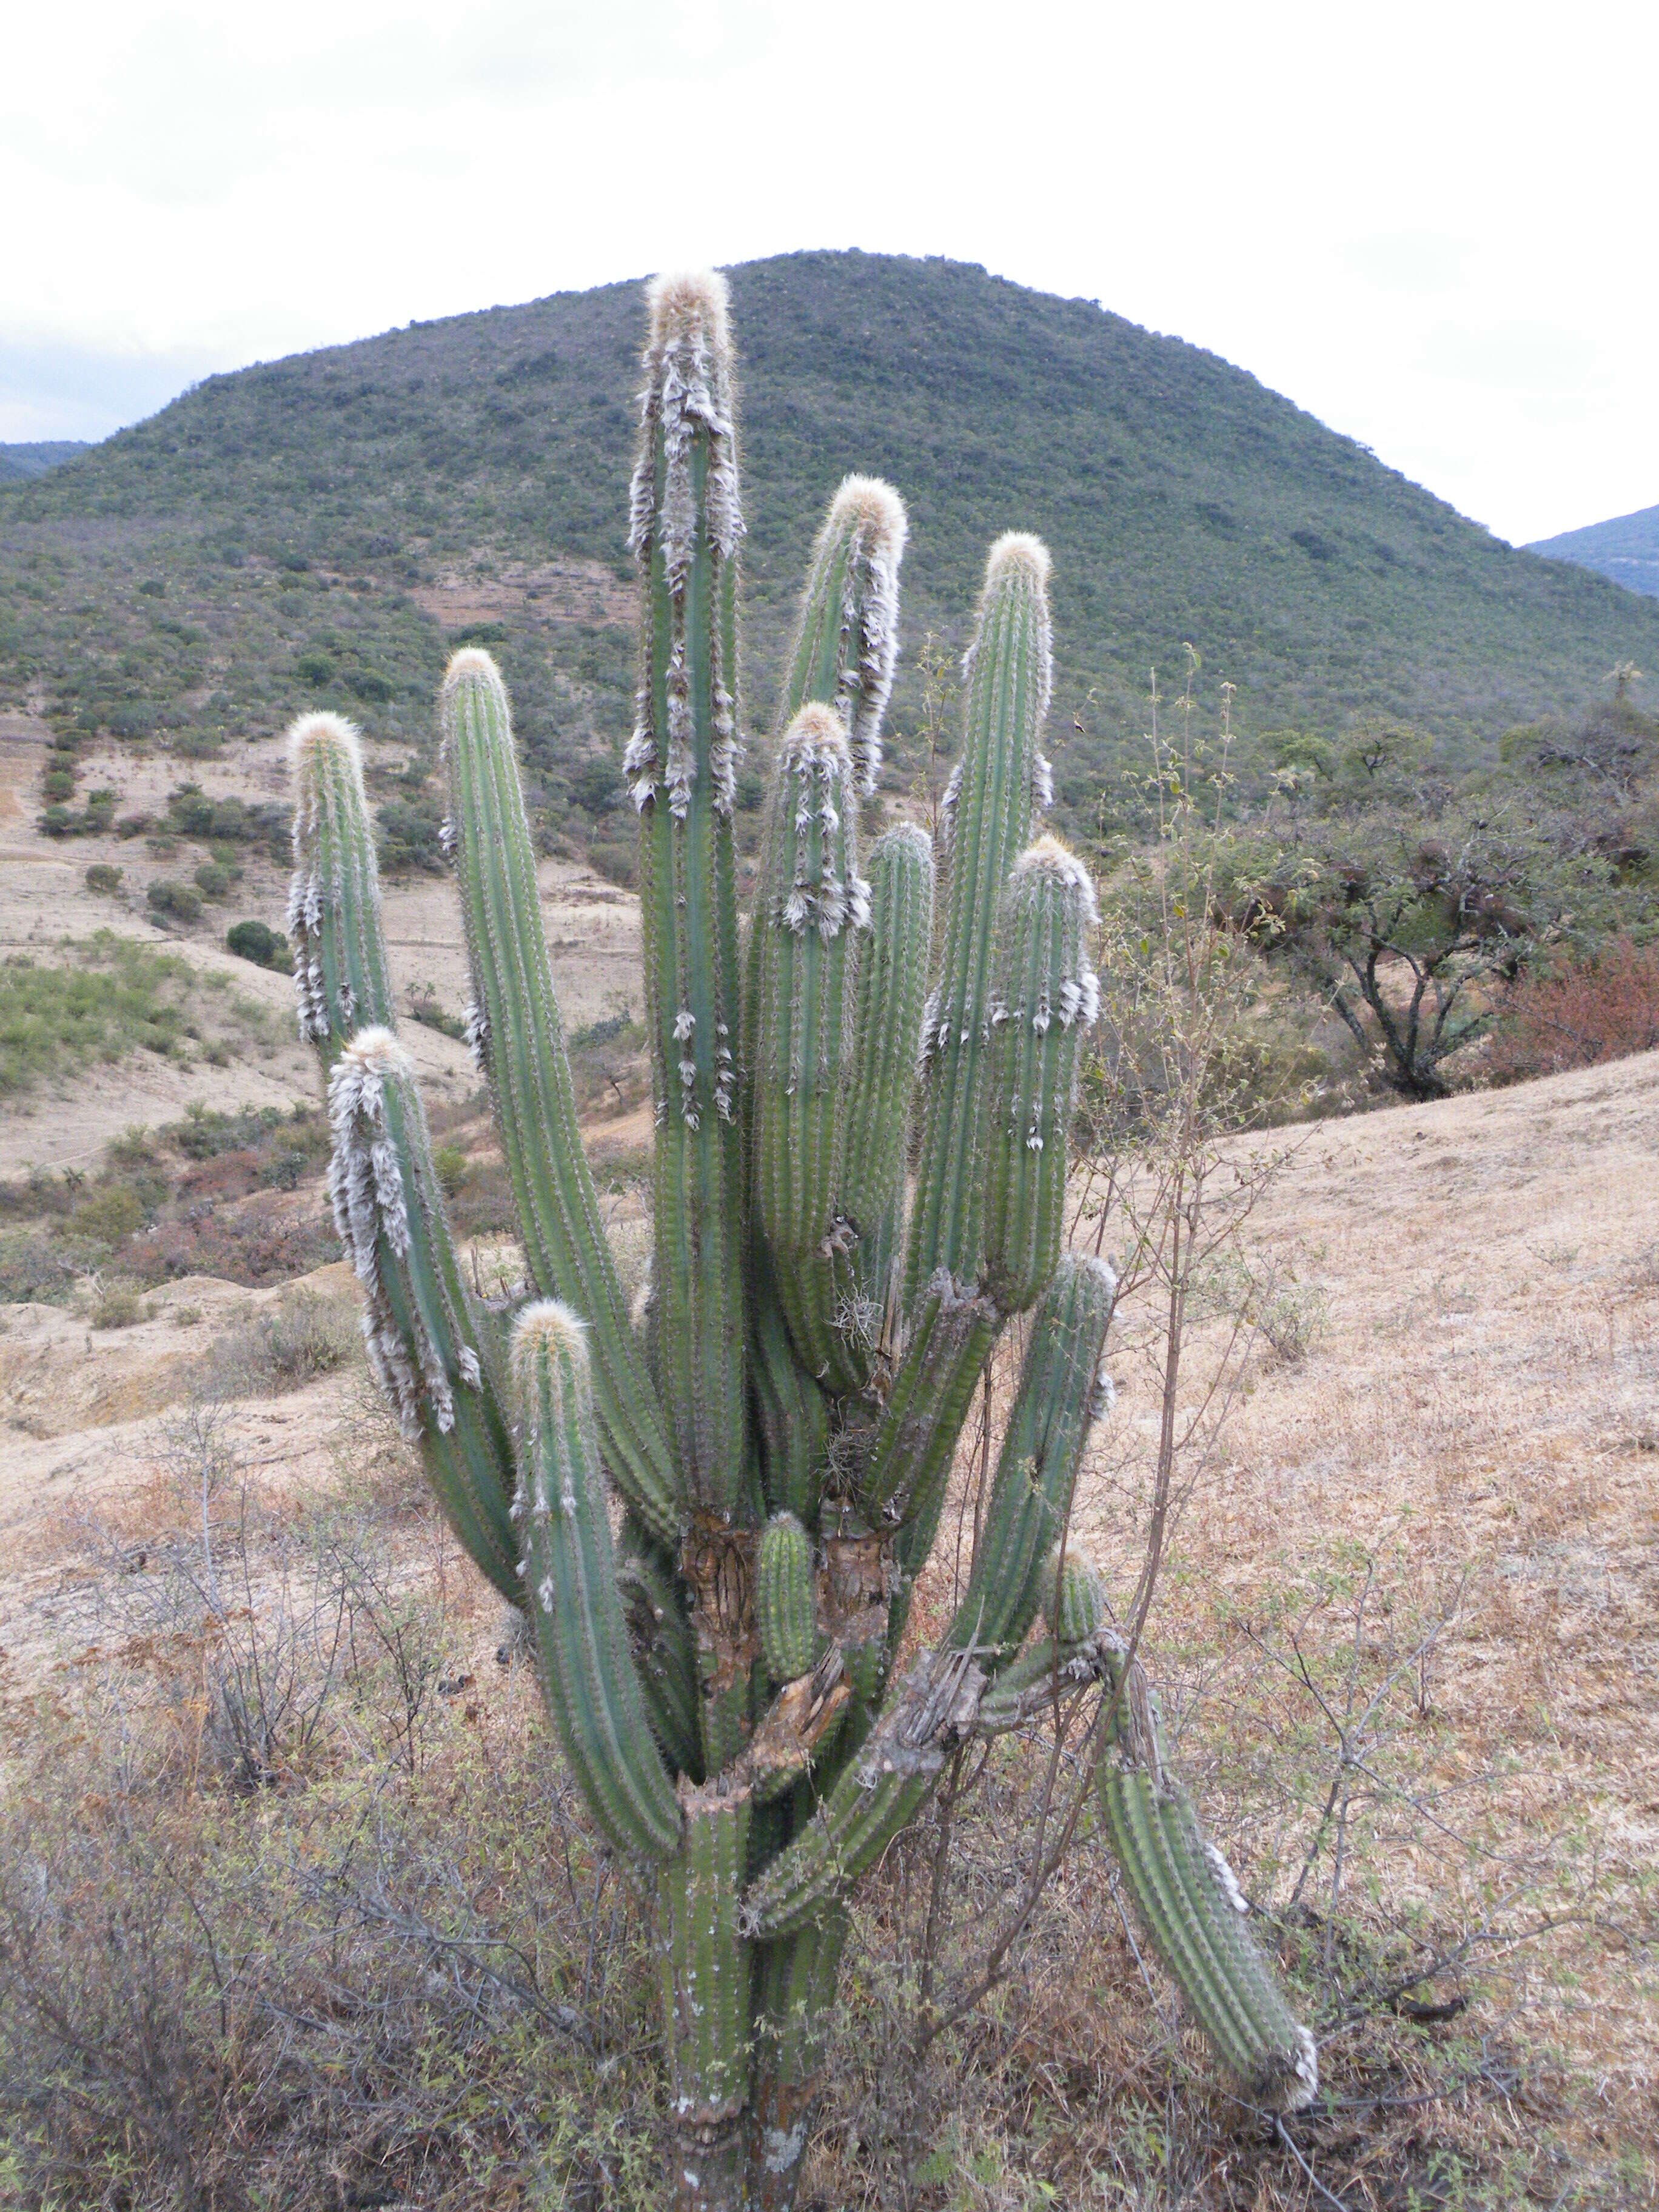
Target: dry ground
<point>1472,1440</point>
<point>1434,1530</point>
<point>593,931</point>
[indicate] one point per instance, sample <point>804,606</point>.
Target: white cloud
<point>1429,227</point>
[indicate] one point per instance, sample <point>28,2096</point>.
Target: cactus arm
<point>1046,998</point>
<point>799,1725</point>
<point>706,1966</point>
<point>794,1992</point>
<point>341,978</point>
<point>879,1792</point>
<point>432,1350</point>
<point>883,1788</point>
<point>812,908</point>
<point>686,524</point>
<point>946,1352</point>
<point>791,1414</point>
<point>1030,1499</point>
<point>785,1598</point>
<point>520,1041</point>
<point>1193,1911</point>
<point>846,644</point>
<point>999,780</point>
<point>892,984</point>
<point>587,1671</point>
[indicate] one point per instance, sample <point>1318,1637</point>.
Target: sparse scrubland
<point>305,1898</point>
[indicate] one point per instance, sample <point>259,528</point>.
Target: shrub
<point>32,1269</point>
<point>1578,1015</point>
<point>453,1168</point>
<point>110,1214</point>
<point>410,835</point>
<point>1293,1320</point>
<point>306,1336</point>
<point>615,861</point>
<point>264,946</point>
<point>116,997</point>
<point>212,881</point>
<point>119,1309</point>
<point>177,901</point>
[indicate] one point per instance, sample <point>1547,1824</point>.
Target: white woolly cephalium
<point>872,513</point>
<point>1048,856</point>
<point>687,391</point>
<point>1019,562</point>
<point>325,751</point>
<point>371,1207</point>
<point>476,1020</point>
<point>541,1331</point>
<point>815,770</point>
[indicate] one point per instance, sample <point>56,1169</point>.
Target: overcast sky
<point>1433,226</point>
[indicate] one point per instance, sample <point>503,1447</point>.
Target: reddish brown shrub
<point>1578,1014</point>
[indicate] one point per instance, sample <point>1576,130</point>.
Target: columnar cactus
<point>727,1666</point>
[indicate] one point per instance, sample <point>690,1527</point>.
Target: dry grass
<point>1408,1605</point>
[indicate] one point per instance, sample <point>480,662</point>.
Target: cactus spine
<point>781,1430</point>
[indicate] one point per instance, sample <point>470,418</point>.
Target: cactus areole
<point>726,1667</point>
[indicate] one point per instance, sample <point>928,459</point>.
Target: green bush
<point>615,859</point>
<point>115,997</point>
<point>119,1309</point>
<point>34,1270</point>
<point>212,881</point>
<point>177,901</point>
<point>453,1168</point>
<point>103,878</point>
<point>264,946</point>
<point>110,1215</point>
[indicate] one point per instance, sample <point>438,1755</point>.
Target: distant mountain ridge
<point>322,529</point>
<point>1626,548</point>
<point>19,462</point>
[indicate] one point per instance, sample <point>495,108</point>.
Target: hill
<point>323,528</point>
<point>19,462</point>
<point>1626,549</point>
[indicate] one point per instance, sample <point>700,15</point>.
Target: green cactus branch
<point>728,1674</point>
<point>686,525</point>
<point>518,1039</point>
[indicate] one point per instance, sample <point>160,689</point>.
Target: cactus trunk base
<point>711,2167</point>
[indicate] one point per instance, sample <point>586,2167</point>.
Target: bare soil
<point>592,932</point>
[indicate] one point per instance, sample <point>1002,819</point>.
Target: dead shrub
<point>307,1335</point>
<point>1579,1014</point>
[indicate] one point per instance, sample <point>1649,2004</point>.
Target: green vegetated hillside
<point>283,536</point>
<point>19,462</point>
<point>1626,548</point>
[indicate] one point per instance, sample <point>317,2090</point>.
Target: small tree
<point>1402,925</point>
